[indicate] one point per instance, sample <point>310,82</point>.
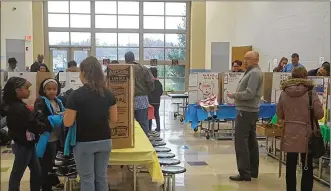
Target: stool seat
<point>165,155</point>
<point>155,139</point>
<point>153,134</point>
<point>167,161</point>
<point>173,169</point>
<point>162,149</point>
<point>158,143</point>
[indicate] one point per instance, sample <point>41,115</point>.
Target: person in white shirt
<point>12,65</point>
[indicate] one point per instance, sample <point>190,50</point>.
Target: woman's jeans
<point>25,157</point>
<point>291,171</point>
<point>91,162</point>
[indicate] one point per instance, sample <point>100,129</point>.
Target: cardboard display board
<point>267,86</point>
<point>203,85</point>
<point>120,80</point>
<point>230,83</point>
<point>277,79</point>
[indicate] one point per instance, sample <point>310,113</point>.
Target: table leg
<point>134,178</point>
<point>232,132</point>
<point>173,182</point>
<point>267,146</point>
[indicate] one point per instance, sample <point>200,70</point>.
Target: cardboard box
<point>120,80</point>
<point>269,132</point>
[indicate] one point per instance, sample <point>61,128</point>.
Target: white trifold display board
<point>203,85</point>
<point>230,84</point>
<point>277,79</point>
<point>70,80</point>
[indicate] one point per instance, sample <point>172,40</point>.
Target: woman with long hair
<point>281,65</point>
<point>293,109</point>
<point>92,107</point>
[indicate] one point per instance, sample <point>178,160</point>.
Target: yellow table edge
<point>142,154</point>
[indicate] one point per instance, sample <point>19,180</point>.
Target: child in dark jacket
<point>23,129</point>
<point>45,106</point>
<point>154,99</point>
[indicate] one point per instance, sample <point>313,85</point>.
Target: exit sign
<point>28,38</point>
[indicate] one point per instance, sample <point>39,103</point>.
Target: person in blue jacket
<point>47,107</point>
<point>295,63</point>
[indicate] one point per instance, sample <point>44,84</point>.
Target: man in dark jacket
<point>144,85</point>
<point>35,66</point>
<point>324,70</point>
<point>154,99</point>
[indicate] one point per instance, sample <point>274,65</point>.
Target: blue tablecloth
<point>195,114</point>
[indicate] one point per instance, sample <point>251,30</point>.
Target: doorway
<point>59,57</point>
<point>16,49</point>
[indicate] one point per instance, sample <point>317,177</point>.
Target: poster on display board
<point>73,80</point>
<point>277,79</point>
<point>230,83</point>
<point>207,85</point>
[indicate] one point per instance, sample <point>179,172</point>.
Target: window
<point>109,29</point>
<point>58,20</point>
<point>105,7</point>
<point>105,21</point>
<point>80,39</point>
<point>128,39</point>
<point>58,38</point>
<point>106,39</point>
<point>80,21</point>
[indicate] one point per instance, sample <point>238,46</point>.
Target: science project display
<point>202,86</point>
<point>230,83</point>
<point>277,79</point>
<point>120,80</point>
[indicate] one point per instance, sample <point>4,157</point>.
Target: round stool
<point>169,162</point>
<point>155,139</point>
<point>165,155</point>
<point>162,149</point>
<point>158,143</point>
<point>153,135</point>
<point>169,173</point>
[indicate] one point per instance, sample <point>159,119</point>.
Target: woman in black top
<point>24,129</point>
<point>154,98</point>
<point>93,107</point>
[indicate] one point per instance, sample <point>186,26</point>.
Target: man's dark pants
<point>246,146</point>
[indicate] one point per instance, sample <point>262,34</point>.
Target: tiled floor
<point>209,163</point>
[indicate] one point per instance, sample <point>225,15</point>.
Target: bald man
<point>247,99</point>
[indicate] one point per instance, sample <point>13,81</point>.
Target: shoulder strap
<point>311,113</point>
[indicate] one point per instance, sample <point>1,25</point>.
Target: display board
<point>277,79</point>
<point>207,85</point>
<point>202,86</point>
<point>321,88</point>
<point>230,83</point>
<point>73,80</point>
